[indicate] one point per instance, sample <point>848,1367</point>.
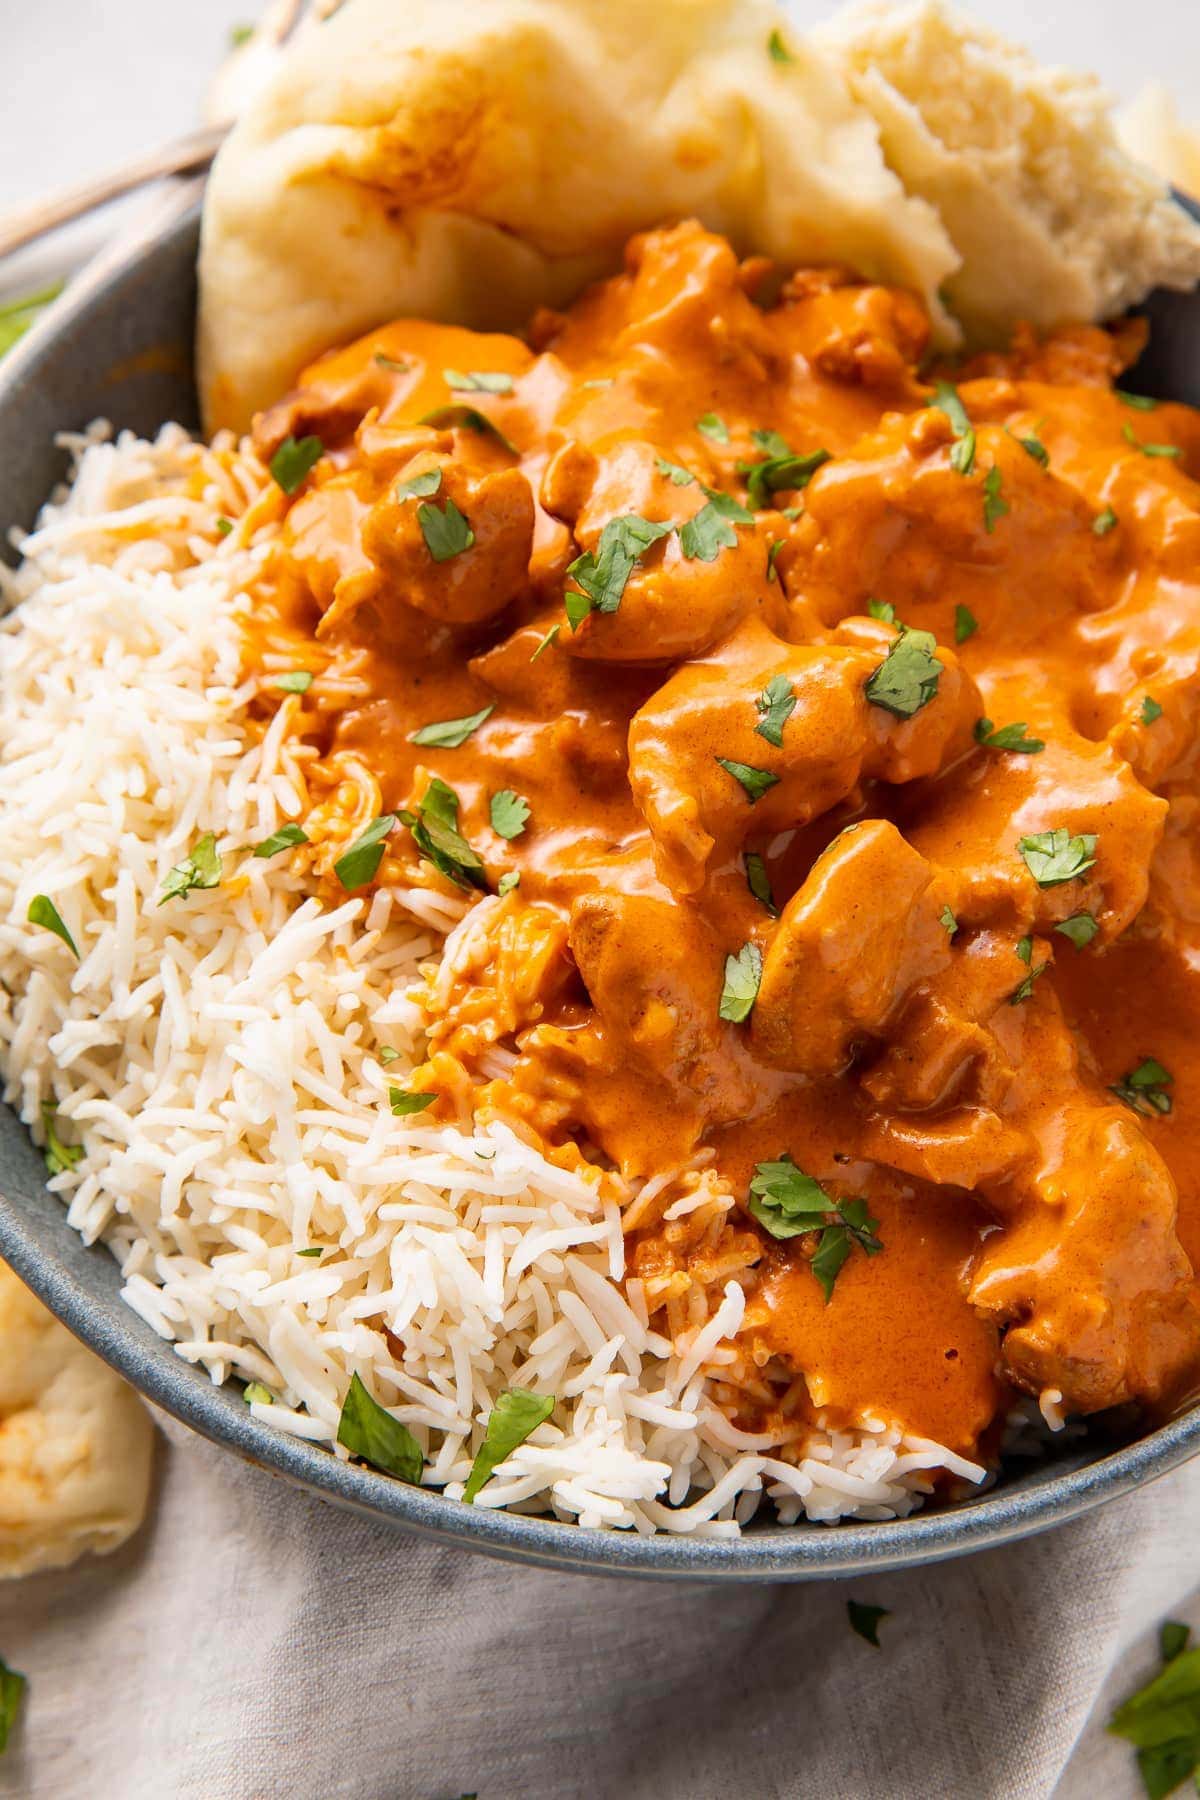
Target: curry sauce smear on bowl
<point>824,735</point>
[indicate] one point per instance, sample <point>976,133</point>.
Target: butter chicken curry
<point>824,733</point>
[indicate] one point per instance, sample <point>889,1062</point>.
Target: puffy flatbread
<point>467,162</point>
<point>76,1443</point>
<point>1151,130</point>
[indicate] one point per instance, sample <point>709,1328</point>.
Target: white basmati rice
<point>218,1059</point>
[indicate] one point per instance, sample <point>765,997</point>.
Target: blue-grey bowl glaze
<point>119,347</point>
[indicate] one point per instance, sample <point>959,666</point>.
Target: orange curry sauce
<point>924,1036</point>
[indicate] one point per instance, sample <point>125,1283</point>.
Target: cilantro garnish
<point>712,426</point>
<point>1131,437</point>
<point>776,704</point>
<point>1053,857</point>
<point>284,839</point>
<point>43,912</point>
<point>1145,1088</point>
<point>57,1156</point>
<point>882,609</point>
<point>294,461</point>
<point>545,643</point>
<point>704,536</point>
<point>314,1250</point>
<point>508,882</point>
<point>866,1620</point>
<point>359,864</point>
<point>509,813</point>
<point>1007,737</point>
<point>393,363</point>
<point>516,1414</point>
<point>1150,710</point>
<point>200,868</point>
<point>743,973</point>
<point>773,549</point>
<point>907,678</point>
<point>758,882</point>
<point>601,574</point>
<point>680,476</point>
<point>448,734</point>
<point>418,487</point>
<point>467,418</point>
<point>388,1055</point>
<point>1025,991</point>
<point>965,624</point>
<point>1080,929</point>
<point>368,1430</point>
<point>1138,402</point>
<point>295,681</point>
<point>947,399</point>
<point>777,50</point>
<point>1033,446</point>
<point>12,1693</point>
<point>947,921</point>
<point>1162,1720</point>
<point>224,527</point>
<point>994,504</point>
<point>477,381</point>
<point>403,1103</point>
<point>1104,522</point>
<point>755,782</point>
<point>783,470</point>
<point>254,1393</point>
<point>435,832</point>
<point>447,531</point>
<point>787,1203</point>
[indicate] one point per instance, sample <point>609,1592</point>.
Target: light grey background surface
<point>252,1643</point>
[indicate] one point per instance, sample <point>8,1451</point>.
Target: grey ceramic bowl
<point>119,347</point>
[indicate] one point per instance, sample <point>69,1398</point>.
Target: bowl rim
<point>151,1364</point>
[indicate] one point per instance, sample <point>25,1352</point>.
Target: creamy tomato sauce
<point>839,727</point>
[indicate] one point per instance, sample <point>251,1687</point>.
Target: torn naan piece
<point>76,1443</point>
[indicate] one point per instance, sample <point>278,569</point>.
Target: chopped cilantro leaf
<point>704,536</point>
<point>294,461</point>
<point>755,782</point>
<point>1131,437</point>
<point>1145,1088</point>
<point>866,1620</point>
<point>600,575</point>
<point>418,487</point>
<point>12,1693</point>
<point>447,532</point>
<point>776,473</point>
<point>1150,710</point>
<point>294,681</point>
<point>545,643</point>
<point>448,734</point>
<point>1025,990</point>
<point>388,1055</point>
<point>57,1156</point>
<point>392,363</point>
<point>467,418</point>
<point>947,399</point>
<point>907,678</point>
<point>1053,857</point>
<point>777,50</point>
<point>359,864</point>
<point>516,1414</point>
<point>284,839</point>
<point>681,477</point>
<point>994,504</point>
<point>367,1430</point>
<point>1162,1720</point>
<point>254,1393</point>
<point>1139,402</point>
<point>787,1202</point>
<point>435,832</point>
<point>776,704</point>
<point>712,426</point>
<point>773,549</point>
<point>403,1103</point>
<point>1033,446</point>
<point>200,868</point>
<point>947,921</point>
<point>1172,1639</point>
<point>758,882</point>
<point>1104,522</point>
<point>743,973</point>
<point>477,381</point>
<point>882,609</point>
<point>1008,737</point>
<point>224,527</point>
<point>509,813</point>
<point>43,912</point>
<point>855,1226</point>
<point>1080,929</point>
<point>508,882</point>
<point>965,624</point>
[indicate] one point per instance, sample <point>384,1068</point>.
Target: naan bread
<point>1052,220</point>
<point>469,161</point>
<point>1151,130</point>
<point>76,1443</point>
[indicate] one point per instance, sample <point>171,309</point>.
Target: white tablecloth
<point>253,1643</point>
